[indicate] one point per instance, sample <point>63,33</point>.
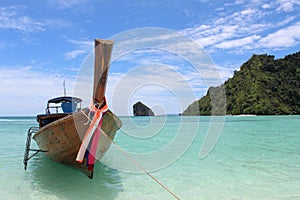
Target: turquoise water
<point>256,157</point>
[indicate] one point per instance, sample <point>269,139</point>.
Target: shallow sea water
<point>255,157</point>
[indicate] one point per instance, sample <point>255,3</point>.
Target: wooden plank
<point>103,49</point>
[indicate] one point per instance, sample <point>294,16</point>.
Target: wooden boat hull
<point>62,138</point>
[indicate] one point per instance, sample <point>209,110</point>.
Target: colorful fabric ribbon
<point>93,133</point>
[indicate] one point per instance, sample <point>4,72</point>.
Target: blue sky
<point>43,43</point>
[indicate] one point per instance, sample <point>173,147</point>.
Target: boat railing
<point>27,156</point>
<point>51,107</point>
<point>60,109</point>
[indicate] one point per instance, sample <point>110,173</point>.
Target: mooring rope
<point>136,162</point>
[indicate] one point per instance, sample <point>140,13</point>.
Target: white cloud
<point>239,2</point>
<point>171,87</point>
<point>57,23</point>
<point>247,12</point>
<point>285,22</point>
<point>18,17</point>
<point>285,37</point>
<point>154,85</point>
<point>239,25</point>
<point>74,54</point>
<point>266,6</point>
<point>287,5</point>
<point>248,29</point>
<point>150,74</point>
<point>25,91</point>
<point>65,4</point>
<point>203,1</point>
<point>187,12</point>
<point>13,18</point>
<point>243,29</point>
<point>83,47</point>
<point>242,42</point>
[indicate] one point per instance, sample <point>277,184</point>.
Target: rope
<point>136,162</point>
<point>91,131</point>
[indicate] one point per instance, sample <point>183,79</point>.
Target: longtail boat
<point>75,136</point>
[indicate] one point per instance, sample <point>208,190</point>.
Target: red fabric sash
<point>93,133</point>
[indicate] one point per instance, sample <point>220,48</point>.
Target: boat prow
<point>74,136</point>
<point>62,138</point>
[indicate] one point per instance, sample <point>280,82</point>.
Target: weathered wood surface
<point>62,138</point>
<point>46,119</point>
<point>103,49</point>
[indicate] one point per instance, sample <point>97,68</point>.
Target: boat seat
<point>68,107</point>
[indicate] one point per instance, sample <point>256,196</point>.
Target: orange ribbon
<point>91,130</point>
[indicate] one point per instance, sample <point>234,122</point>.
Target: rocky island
<point>262,86</point>
<point>140,109</point>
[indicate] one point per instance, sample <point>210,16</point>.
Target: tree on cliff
<point>262,86</point>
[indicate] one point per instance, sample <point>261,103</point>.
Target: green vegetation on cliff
<point>262,86</point>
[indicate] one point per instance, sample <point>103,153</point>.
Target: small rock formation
<point>140,109</point>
